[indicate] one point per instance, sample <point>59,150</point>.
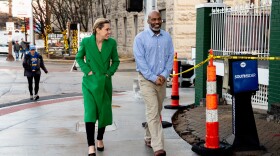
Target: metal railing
<point>241,30</point>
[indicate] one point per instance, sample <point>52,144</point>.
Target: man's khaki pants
<point>153,97</point>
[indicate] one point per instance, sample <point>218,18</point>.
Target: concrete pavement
<point>53,125</point>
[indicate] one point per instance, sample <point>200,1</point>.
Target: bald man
<point>153,51</point>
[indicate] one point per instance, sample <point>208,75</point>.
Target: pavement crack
<point>6,92</point>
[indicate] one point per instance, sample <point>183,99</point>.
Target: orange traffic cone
<point>212,145</point>
<point>175,87</point>
<point>212,124</point>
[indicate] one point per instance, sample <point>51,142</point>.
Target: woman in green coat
<point>98,59</point>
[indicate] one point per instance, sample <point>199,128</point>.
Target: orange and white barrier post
<point>212,145</point>
<point>212,124</point>
<point>175,86</point>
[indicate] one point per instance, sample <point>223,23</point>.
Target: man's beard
<point>155,29</point>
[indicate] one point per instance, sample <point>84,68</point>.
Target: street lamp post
<point>25,30</point>
<point>10,56</point>
<point>32,41</point>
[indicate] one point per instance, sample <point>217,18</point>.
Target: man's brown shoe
<point>148,143</point>
<point>160,153</point>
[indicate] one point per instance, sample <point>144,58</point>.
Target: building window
<point>135,25</point>
<point>125,29</point>
<point>116,30</point>
<point>163,17</point>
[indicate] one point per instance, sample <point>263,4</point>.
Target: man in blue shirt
<point>153,51</point>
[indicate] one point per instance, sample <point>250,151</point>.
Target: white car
<point>4,48</point>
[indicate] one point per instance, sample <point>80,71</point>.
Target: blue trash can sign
<point>245,76</point>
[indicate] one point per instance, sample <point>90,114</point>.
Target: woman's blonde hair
<point>99,23</point>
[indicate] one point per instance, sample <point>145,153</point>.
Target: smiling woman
<point>99,60</point>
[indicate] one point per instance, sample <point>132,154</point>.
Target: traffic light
<point>73,26</point>
<point>134,5</point>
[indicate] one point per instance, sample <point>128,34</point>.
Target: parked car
<point>4,48</point>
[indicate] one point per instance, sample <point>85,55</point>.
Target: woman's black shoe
<point>100,148</point>
<point>92,154</point>
<point>36,97</point>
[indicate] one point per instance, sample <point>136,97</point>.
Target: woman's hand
<point>90,73</point>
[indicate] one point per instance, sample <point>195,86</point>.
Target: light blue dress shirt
<point>153,54</point>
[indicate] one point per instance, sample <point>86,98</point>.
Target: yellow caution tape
<point>227,57</point>
<point>196,66</point>
<point>247,57</point>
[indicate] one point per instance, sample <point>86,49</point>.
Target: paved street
<point>58,82</point>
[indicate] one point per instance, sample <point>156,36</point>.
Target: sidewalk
<point>53,127</point>
<point>190,124</point>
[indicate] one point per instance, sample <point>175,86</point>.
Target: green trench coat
<point>97,88</point>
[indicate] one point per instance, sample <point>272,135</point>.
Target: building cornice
<point>211,5</point>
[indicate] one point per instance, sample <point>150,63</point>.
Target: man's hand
<point>160,80</point>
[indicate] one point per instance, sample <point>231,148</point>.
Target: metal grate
<point>241,30</point>
<point>260,98</point>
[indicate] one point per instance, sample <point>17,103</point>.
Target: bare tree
<point>63,11</point>
<point>101,8</point>
<point>78,11</point>
<point>60,13</point>
<point>39,16</point>
<point>104,8</point>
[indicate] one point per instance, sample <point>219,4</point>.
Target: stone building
<point>124,25</point>
<point>3,19</point>
<point>179,19</point>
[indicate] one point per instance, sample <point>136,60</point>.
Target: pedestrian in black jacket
<point>32,63</point>
<point>16,50</point>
